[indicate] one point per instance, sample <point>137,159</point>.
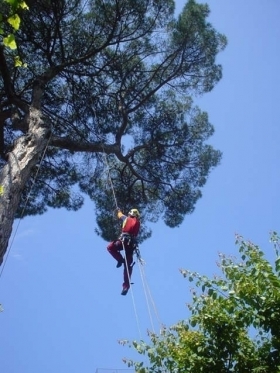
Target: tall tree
<point>234,323</point>
<point>105,100</point>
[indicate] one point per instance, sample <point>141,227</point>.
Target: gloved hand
<point>118,210</point>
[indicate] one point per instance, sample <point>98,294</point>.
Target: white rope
<point>116,205</point>
<point>105,158</point>
<point>146,288</point>
<point>110,179</point>
<point>146,297</point>
<point>132,294</point>
<point>148,291</point>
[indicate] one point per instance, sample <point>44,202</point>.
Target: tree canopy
<point>233,324</point>
<point>106,97</point>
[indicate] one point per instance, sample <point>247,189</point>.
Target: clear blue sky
<point>60,290</point>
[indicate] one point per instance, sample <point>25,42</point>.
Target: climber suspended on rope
<point>127,242</point>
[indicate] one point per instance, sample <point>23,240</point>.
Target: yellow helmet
<point>135,213</point>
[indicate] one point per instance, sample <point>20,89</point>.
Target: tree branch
<point>8,86</point>
<point>98,147</point>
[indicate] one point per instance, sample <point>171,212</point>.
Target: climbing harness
<point>127,239</point>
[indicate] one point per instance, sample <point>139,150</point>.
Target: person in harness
<point>126,241</point>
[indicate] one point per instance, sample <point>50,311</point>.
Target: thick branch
<point>78,146</point>
<point>8,86</point>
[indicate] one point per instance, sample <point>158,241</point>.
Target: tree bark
<point>16,173</point>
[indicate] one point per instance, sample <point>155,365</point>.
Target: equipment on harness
<point>138,255</point>
<point>127,239</point>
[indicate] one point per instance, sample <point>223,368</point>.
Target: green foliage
<point>54,183</point>
<point>117,79</point>
<point>10,22</point>
<point>234,322</point>
<point>9,41</point>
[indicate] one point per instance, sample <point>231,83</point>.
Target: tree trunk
<point>16,173</point>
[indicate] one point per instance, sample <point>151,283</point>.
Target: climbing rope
<point>132,293</point>
<point>146,297</point>
<point>116,206</point>
<point>101,138</point>
<point>148,294</point>
<point>109,177</point>
<point>147,291</point>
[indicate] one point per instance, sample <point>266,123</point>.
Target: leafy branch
<point>12,24</point>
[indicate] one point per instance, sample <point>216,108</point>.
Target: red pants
<point>114,249</point>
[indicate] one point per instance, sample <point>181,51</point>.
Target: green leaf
<point>16,4</point>
<point>193,323</point>
<point>19,63</point>
<point>12,2</point>
<point>23,5</point>
<point>9,41</point>
<point>14,21</point>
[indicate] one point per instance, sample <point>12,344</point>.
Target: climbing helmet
<point>135,213</point>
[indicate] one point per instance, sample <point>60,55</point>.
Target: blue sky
<point>60,290</point>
